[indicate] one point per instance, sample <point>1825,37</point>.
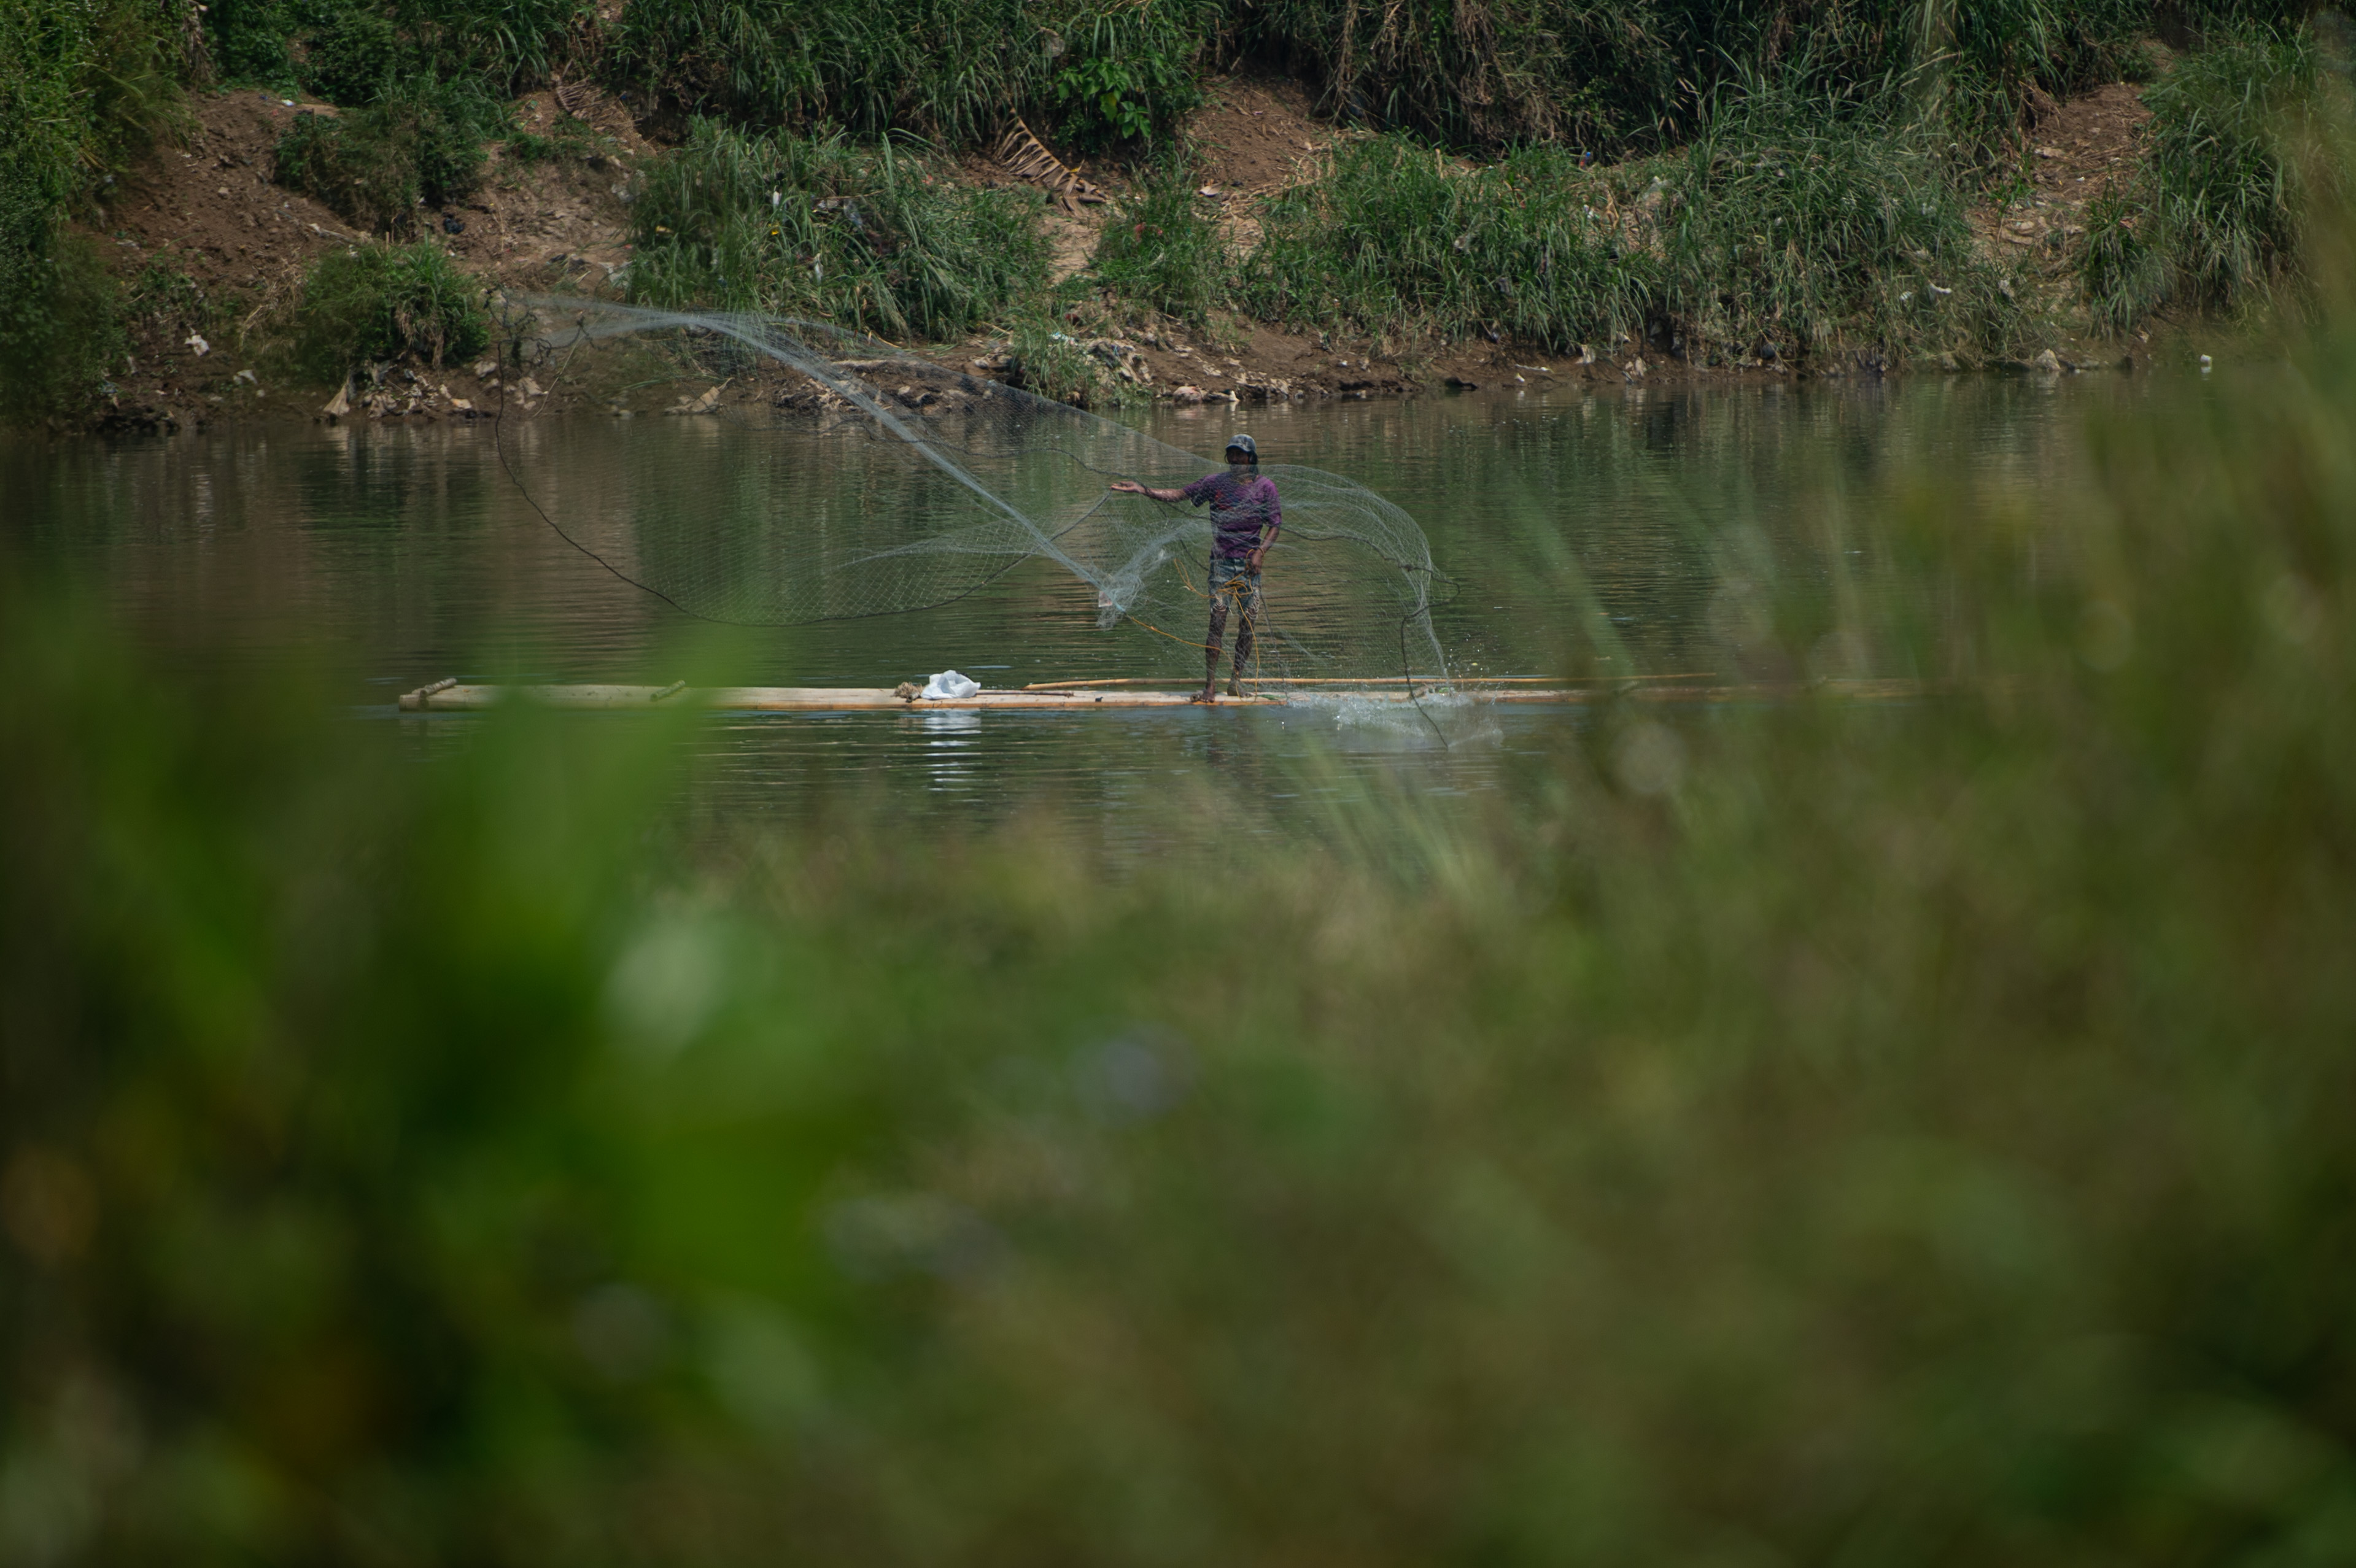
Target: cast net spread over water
<point>862,481</point>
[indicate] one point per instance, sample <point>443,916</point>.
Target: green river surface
<point>1643,532</point>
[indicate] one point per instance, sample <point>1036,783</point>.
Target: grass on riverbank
<point>421,142</point>
<point>2212,219</point>
<point>358,53</point>
<point>1636,78</point>
<point>84,89</point>
<point>1912,1135</point>
<point>1785,228</point>
<point>1612,79</point>
<point>1779,231</point>
<point>877,238</point>
<point>1882,119</point>
<point>382,304</point>
<point>1162,251</point>
<point>954,70</point>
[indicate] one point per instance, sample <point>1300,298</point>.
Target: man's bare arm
<point>1132,487</point>
<point>1268,538</point>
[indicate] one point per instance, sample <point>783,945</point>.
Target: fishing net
<point>860,481</point>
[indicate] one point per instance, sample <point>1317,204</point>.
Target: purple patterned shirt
<point>1240,509</point>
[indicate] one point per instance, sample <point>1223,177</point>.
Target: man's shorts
<point>1233,581</point>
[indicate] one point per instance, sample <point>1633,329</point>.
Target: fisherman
<point>1245,518</point>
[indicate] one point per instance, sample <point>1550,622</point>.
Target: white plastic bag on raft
<point>948,683</point>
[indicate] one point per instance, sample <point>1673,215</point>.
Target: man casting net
<point>863,481</point>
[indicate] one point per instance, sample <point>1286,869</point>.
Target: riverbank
<point>211,253</point>
<point>1247,246</point>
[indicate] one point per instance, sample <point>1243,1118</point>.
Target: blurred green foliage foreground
<point>1910,1135</point>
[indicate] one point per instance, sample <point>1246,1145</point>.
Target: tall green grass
<point>1787,226</point>
<point>62,335</point>
<point>421,142</point>
<point>1778,229</point>
<point>876,238</point>
<point>2212,218</point>
<point>1395,240</point>
<point>351,52</point>
<point>1642,74</point>
<point>422,84</point>
<point>1810,213</point>
<point>1161,250</point>
<point>2123,273</point>
<point>1594,75</point>
<point>373,304</point>
<point>954,70</point>
<point>1124,73</point>
<point>1903,1135</point>
<point>1608,76</point>
<point>85,88</point>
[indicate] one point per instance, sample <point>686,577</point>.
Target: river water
<point>1628,532</point>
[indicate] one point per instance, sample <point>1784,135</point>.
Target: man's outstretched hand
<point>1128,486</point>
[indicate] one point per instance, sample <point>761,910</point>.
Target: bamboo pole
<point>1378,680</point>
<point>447,697</point>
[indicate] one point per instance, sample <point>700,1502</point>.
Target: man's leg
<point>1249,609</point>
<point>1211,648</point>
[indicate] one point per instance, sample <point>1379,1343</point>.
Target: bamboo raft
<point>453,697</point>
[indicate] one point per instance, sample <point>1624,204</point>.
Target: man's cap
<point>1242,443</point>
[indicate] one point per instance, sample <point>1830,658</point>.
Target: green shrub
<point>1393,238</point>
<point>247,42</point>
<point>1160,249</point>
<point>2222,192</point>
<point>84,87</point>
<point>446,128</point>
<point>361,169</point>
<point>1980,59</point>
<point>1041,357</point>
<point>875,237</point>
<point>1786,222</point>
<point>953,71</point>
<point>2195,24</point>
<point>2123,273</point>
<point>379,303</point>
<point>2214,215</point>
<point>39,150</point>
<point>947,69</point>
<point>1646,73</point>
<point>60,335</point>
<point>423,143</point>
<point>354,55</point>
<point>508,44</point>
<point>1128,71</point>
<point>1597,76</point>
<point>353,52</point>
<point>1778,224</point>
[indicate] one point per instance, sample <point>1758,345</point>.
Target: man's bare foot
<point>1235,688</point>
<point>1206,694</point>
